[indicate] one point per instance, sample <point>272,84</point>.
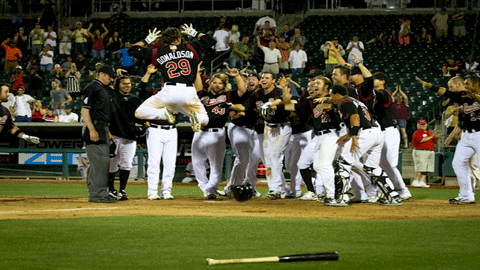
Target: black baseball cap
<point>314,73</point>
<point>253,74</point>
<point>108,70</point>
<point>381,76</point>
<point>355,71</point>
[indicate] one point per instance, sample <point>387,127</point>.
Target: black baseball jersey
<point>259,98</point>
<point>122,122</point>
<point>96,98</point>
<point>384,108</point>
<point>6,122</point>
<point>349,106</point>
<point>250,117</point>
<point>299,121</point>
<point>469,118</point>
<point>176,63</point>
<point>216,107</point>
<point>352,92</point>
<point>321,119</point>
<point>367,95</point>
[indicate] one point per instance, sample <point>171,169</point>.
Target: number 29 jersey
<point>176,63</point>
<point>349,106</point>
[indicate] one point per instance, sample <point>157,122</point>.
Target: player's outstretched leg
<point>196,125</point>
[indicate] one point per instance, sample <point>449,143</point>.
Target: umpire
<point>96,115</point>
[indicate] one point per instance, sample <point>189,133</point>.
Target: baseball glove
<point>242,193</point>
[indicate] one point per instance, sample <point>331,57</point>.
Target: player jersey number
<point>172,68</point>
<point>217,110</point>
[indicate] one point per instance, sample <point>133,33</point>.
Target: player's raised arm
<point>439,90</point>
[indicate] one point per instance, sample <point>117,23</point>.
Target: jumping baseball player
<point>469,144</point>
<point>209,143</point>
<point>277,132</point>
<point>122,129</point>
<point>6,121</point>
<point>363,140</point>
<point>178,64</point>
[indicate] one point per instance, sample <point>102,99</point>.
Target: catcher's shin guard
<point>380,181</point>
<point>341,178</point>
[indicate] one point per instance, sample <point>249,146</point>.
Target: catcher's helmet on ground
<point>242,193</point>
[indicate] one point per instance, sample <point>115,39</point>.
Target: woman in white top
<point>46,59</point>
<point>233,36</point>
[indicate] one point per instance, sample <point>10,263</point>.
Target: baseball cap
<point>79,23</point>
<point>57,66</point>
<point>108,70</point>
<point>314,73</point>
<point>68,107</point>
<point>58,82</point>
<point>381,76</point>
<point>19,67</point>
<point>422,122</point>
<point>355,71</point>
<point>254,75</point>
<point>98,64</point>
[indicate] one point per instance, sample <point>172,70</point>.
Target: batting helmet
<point>242,193</point>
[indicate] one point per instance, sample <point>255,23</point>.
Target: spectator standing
<point>12,54</point>
<point>440,23</point>
<point>284,47</point>
<point>69,116</point>
<point>287,32</point>
<point>405,31</point>
<point>59,97</point>
<point>98,47</point>
<point>65,40</point>
<point>127,60</point>
<point>272,57</point>
<point>119,16</point>
<point>73,80</point>
<point>50,38</point>
<point>260,24</point>
<point>35,82</point>
<point>266,34</point>
<point>16,8</point>
<point>50,117</point>
<point>298,59</point>
<point>36,37</point>
<point>80,34</point>
<point>424,36</point>
<point>223,23</point>
<point>451,68</point>
<point>21,108</point>
<point>80,62</point>
<point>46,59</point>
<point>221,36</point>
<point>233,36</point>
<point>330,59</point>
<point>32,62</point>
<point>57,73</point>
<point>17,78</point>
<point>458,22</point>
<point>298,38</point>
<point>38,111</point>
<point>115,43</point>
<point>400,113</point>
<point>68,64</point>
<point>239,54</point>
<point>355,47</point>
<point>423,155</point>
<point>21,39</point>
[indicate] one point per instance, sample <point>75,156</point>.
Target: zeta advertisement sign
<point>46,158</point>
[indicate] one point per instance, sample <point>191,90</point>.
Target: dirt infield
<point>20,207</point>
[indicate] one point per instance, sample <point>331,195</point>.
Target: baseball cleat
<point>287,195</point>
<point>335,203</point>
<point>321,197</point>
<point>415,183</point>
<point>195,122</point>
<point>357,200</point>
<point>114,193</point>
<point>153,196</point>
<point>272,195</point>
<point>405,197</point>
<point>257,194</point>
<point>309,196</point>
<point>459,200</point>
<point>170,117</point>
<point>122,195</point>
<point>210,196</point>
<point>167,196</point>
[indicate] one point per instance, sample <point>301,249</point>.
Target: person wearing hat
<point>458,22</point>
<point>69,116</point>
<point>17,78</point>
<point>93,74</point>
<point>59,97</point>
<point>36,36</point>
<point>355,47</point>
<point>330,59</point>
<point>21,108</point>
<point>440,23</point>
<point>12,54</point>
<point>80,34</point>
<point>423,154</point>
<point>96,115</point>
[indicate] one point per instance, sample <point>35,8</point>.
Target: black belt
<point>326,131</point>
<point>270,63</point>
<point>244,126</point>
<point>172,83</point>
<point>211,129</point>
<point>275,125</point>
<point>167,127</point>
<point>472,130</point>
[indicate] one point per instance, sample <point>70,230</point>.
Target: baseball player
<point>363,140</point>
<point>178,64</point>
<point>6,121</point>
<point>469,144</point>
<point>277,132</point>
<point>122,129</point>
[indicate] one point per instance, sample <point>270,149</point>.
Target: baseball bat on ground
<point>324,256</point>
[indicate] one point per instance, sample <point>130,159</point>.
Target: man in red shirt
<point>450,68</point>
<point>423,154</point>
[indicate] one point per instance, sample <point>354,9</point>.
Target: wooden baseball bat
<point>324,256</point>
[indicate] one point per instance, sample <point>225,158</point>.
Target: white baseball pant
<point>162,146</point>
<point>274,145</point>
<point>243,143</point>
<point>208,145</point>
<point>468,145</point>
<point>294,150</point>
<point>125,152</point>
<point>474,170</point>
<point>304,162</point>
<point>180,97</point>
<point>323,156</point>
<point>255,156</point>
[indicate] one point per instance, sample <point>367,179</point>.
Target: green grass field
<point>165,242</point>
